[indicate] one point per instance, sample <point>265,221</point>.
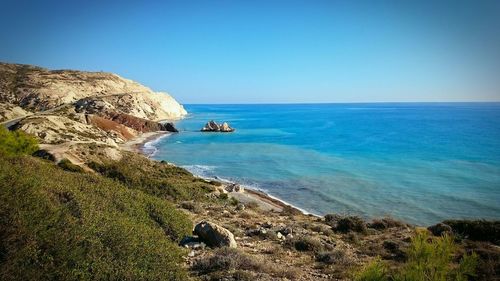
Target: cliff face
<point>35,89</point>
<point>67,108</point>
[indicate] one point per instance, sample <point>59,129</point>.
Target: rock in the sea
<point>214,235</point>
<point>440,229</point>
<point>169,127</point>
<point>224,127</point>
<point>212,126</point>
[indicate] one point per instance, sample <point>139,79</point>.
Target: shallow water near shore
<point>421,163</point>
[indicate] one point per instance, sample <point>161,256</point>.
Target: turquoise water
<point>418,162</point>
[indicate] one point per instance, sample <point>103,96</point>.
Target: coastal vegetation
<point>155,178</point>
<point>429,259</point>
<point>17,142</point>
<point>61,225</point>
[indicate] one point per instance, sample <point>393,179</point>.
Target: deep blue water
<point>418,162</point>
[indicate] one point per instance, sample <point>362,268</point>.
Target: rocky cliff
<point>25,88</point>
<point>66,109</point>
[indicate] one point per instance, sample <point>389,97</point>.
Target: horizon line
<point>376,102</point>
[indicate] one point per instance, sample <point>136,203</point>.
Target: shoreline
<point>264,200</point>
<point>137,144</point>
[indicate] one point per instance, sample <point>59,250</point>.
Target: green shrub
<point>17,142</point>
<point>374,271</point>
<point>233,201</point>
<point>385,223</point>
<point>351,223</point>
<point>59,225</point>
<point>333,257</point>
<point>429,259</point>
<point>306,243</point>
<point>65,164</point>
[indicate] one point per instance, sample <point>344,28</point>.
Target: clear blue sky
<point>269,51</point>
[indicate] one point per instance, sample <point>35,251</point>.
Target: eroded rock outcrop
<point>66,106</point>
<point>53,129</point>
<point>140,124</point>
<point>214,235</point>
<point>35,89</point>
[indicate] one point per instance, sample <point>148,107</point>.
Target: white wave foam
<point>202,171</point>
<point>207,172</point>
<point>149,148</point>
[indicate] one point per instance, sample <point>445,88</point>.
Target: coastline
<point>264,200</point>
<point>138,143</point>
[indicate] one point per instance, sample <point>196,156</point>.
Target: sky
<point>269,51</point>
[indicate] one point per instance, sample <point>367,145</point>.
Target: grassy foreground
<point>60,225</point>
<point>63,225</point>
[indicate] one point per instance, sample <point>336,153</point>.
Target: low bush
<point>16,142</point>
<point>191,206</point>
<point>306,243</point>
<point>478,230</point>
<point>374,271</point>
<point>333,257</point>
<point>351,223</point>
<point>429,259</point>
<point>321,228</point>
<point>384,223</point>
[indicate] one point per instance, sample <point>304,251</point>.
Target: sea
<point>417,162</point>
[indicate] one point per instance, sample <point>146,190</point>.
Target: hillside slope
<point>63,108</point>
<point>36,89</point>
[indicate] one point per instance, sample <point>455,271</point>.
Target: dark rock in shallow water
<point>212,126</point>
<point>169,127</point>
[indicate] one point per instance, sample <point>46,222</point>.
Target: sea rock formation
<point>214,235</point>
<point>212,126</point>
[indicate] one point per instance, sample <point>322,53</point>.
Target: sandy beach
<point>137,144</point>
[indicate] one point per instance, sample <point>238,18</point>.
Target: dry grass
<point>192,206</point>
<point>229,261</point>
